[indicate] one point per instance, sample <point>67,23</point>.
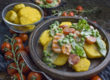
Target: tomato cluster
<point>71,13</point>
<point>6,47</point>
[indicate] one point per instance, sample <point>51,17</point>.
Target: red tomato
<point>5,45</point>
<point>18,54</point>
<point>19,45</point>
<point>64,14</point>
<point>79,8</point>
<point>8,55</point>
<point>12,32</point>
<point>10,70</point>
<point>71,14</point>
<point>18,40</point>
<point>90,39</point>
<point>34,76</point>
<point>49,1</point>
<point>96,78</point>
<point>25,68</point>
<point>27,49</point>
<point>18,77</point>
<point>68,30</point>
<point>24,37</point>
<point>63,26</point>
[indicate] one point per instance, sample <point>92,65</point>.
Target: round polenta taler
<point>31,15</point>
<point>18,7</point>
<point>11,16</point>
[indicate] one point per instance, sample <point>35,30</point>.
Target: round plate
<point>64,72</point>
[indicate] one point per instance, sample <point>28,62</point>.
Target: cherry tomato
<point>64,14</point>
<point>27,49</point>
<point>19,54</point>
<point>19,45</point>
<point>18,40</point>
<point>96,78</point>
<point>79,8</point>
<point>63,26</point>
<point>5,45</point>
<point>68,30</point>
<point>90,39</point>
<point>73,59</point>
<point>24,37</point>
<point>8,55</point>
<point>12,32</point>
<point>34,76</point>
<point>10,69</point>
<point>71,14</point>
<point>49,1</point>
<point>25,68</point>
<point>18,77</point>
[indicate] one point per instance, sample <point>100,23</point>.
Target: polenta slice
<point>92,51</point>
<point>45,37</point>
<point>61,60</point>
<point>66,23</point>
<point>18,7</point>
<point>82,65</point>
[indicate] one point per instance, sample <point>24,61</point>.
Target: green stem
<point>15,60</point>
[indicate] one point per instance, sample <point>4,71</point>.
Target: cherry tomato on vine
<point>34,76</point>
<point>19,55</point>
<point>25,68</point>
<point>19,45</point>
<point>27,49</point>
<point>68,30</point>
<point>18,40</point>
<point>96,78</point>
<point>79,8</point>
<point>64,14</point>
<point>24,37</point>
<point>5,46</point>
<point>8,55</point>
<point>71,13</point>
<point>10,69</point>
<point>18,77</point>
<point>90,39</point>
<point>12,32</point>
<point>49,1</point>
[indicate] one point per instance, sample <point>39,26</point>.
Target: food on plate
<point>82,65</point>
<point>5,46</point>
<point>18,7</point>
<point>24,37</point>
<point>34,76</point>
<point>92,51</point>
<point>48,3</point>
<point>8,55</point>
<point>72,43</point>
<point>45,37</point>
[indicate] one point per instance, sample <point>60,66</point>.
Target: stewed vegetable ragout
<point>72,43</point>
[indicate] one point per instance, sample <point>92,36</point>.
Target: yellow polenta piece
<point>92,51</point>
<point>66,23</point>
<point>18,7</point>
<point>11,16</point>
<point>45,38</point>
<point>16,21</point>
<point>61,60</point>
<point>29,15</point>
<point>83,65</point>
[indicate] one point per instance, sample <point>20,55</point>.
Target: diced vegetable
<point>92,51</point>
<point>102,46</point>
<point>61,60</point>
<point>83,65</point>
<point>45,37</point>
